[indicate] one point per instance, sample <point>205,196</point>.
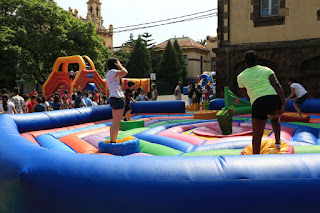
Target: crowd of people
<point>16,103</point>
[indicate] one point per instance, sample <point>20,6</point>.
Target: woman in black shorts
<point>116,99</point>
<point>260,86</point>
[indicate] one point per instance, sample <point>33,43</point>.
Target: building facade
<point>198,58</point>
<point>94,15</point>
<point>284,33</point>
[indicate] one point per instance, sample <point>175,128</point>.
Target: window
<point>270,8</point>
<point>213,64</point>
<point>186,62</point>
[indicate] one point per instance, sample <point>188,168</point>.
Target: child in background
<point>128,97</point>
<point>78,101</point>
<point>198,94</point>
<point>27,108</point>
<point>56,105</point>
<point>96,96</point>
<point>136,96</point>
<point>45,103</point>
<point>150,98</point>
<point>33,100</point>
<point>73,97</point>
<point>207,93</point>
<point>7,107</point>
<point>38,107</point>
<point>154,93</point>
<point>65,104</point>
<point>142,95</point>
<point>103,100</point>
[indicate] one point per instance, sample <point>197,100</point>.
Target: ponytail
<point>5,99</point>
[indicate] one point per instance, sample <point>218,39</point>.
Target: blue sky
<point>127,12</point>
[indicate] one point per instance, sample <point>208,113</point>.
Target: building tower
<point>94,15</point>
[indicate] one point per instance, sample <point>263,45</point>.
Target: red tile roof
<point>185,43</point>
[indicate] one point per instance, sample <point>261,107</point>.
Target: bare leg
<point>276,126</point>
<point>298,109</point>
<point>128,115</point>
<point>257,133</point>
<point>114,128</point>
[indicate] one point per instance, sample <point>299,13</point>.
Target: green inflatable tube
<point>306,149</point>
<point>126,125</point>
<point>157,149</point>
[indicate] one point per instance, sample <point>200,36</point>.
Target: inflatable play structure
<point>206,78</point>
<point>59,81</point>
<point>87,78</point>
<point>164,161</point>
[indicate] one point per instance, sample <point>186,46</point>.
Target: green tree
<point>8,58</point>
<point>139,65</point>
<point>169,69</point>
<point>183,73</point>
<point>146,37</point>
<point>43,31</point>
<point>202,41</point>
<point>123,56</point>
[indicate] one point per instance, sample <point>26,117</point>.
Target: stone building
<point>94,15</point>
<point>198,58</point>
<point>285,34</point>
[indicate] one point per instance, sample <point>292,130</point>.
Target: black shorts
<point>117,103</point>
<point>127,107</point>
<point>302,99</point>
<point>265,105</point>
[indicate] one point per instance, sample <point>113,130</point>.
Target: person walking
<point>261,87</point>
<point>301,95</point>
<point>154,92</point>
<point>116,99</point>
<point>17,100</point>
<point>191,92</point>
<point>177,91</point>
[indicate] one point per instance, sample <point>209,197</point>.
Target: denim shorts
<point>117,103</point>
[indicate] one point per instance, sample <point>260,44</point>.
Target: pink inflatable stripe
<point>176,129</point>
<point>286,133</point>
<point>187,138</point>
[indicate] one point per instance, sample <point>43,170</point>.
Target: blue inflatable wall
<point>35,179</point>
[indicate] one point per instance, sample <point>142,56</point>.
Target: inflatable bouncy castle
<point>59,80</point>
<point>87,77</point>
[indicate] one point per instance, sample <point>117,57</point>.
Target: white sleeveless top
<point>113,84</point>
<point>299,90</point>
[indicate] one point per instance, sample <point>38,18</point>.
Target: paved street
<point>171,98</point>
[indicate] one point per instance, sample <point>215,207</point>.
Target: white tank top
<point>113,84</point>
<point>299,90</point>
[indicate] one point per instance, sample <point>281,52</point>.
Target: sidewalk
<point>171,98</point>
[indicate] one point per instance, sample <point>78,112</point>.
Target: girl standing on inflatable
<point>261,87</point>
<point>116,99</point>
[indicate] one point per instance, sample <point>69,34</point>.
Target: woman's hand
<point>118,64</point>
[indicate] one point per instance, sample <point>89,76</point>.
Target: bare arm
<point>14,110</point>
<point>292,94</point>
<point>277,86</point>
<point>244,92</point>
<point>122,71</point>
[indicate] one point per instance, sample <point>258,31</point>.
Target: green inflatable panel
<point>157,149</point>
<point>126,125</point>
<point>306,149</point>
<point>219,152</point>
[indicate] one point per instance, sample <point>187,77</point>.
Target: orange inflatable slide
<point>59,81</point>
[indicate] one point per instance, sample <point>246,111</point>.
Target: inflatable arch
<point>59,77</point>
